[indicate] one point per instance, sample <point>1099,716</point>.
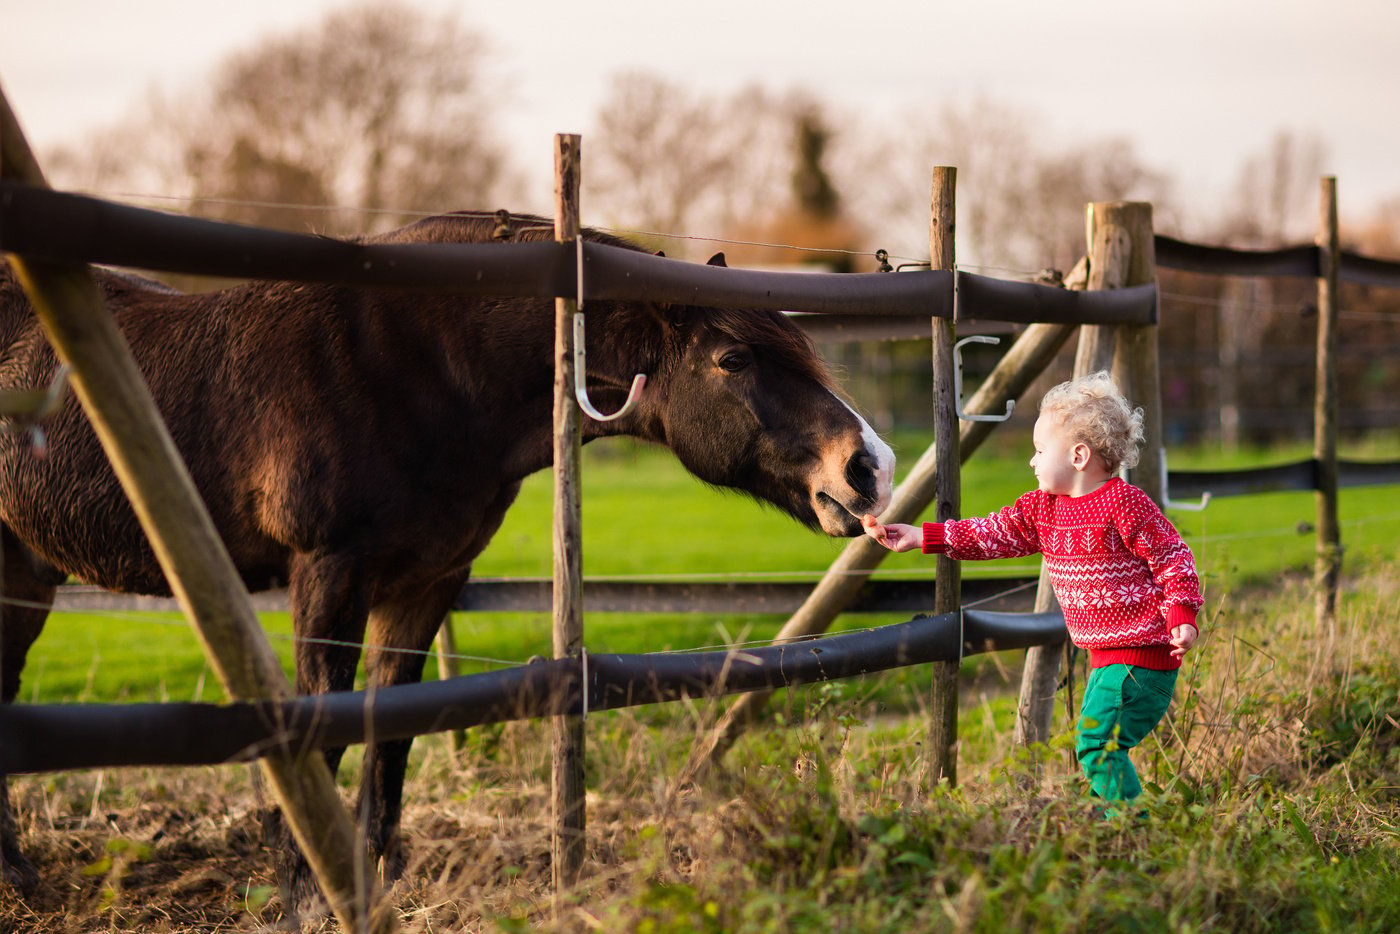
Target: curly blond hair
<point>1094,412</point>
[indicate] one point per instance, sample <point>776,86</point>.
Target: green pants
<point>1122,703</point>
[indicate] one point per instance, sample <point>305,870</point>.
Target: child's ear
<point>1080,456</point>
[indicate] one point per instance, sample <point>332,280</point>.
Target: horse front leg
<point>400,634</point>
<point>15,868</point>
<point>29,592</point>
<point>329,600</point>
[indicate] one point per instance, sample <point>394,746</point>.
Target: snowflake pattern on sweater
<point>1121,572</point>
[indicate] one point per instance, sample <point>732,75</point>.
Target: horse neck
<point>503,362</point>
<point>619,344</point>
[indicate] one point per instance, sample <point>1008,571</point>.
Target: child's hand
<point>1183,637</point>
<point>895,536</point>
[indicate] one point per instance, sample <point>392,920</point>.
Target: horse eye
<point>733,362</point>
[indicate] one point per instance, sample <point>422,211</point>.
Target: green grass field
<point>644,516</point>
<point>1272,801</point>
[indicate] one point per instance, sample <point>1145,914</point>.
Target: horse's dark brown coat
<point>362,446</point>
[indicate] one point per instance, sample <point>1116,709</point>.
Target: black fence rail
<point>50,737</point>
<point>1303,261</point>
<point>58,226</point>
<point>1298,475</point>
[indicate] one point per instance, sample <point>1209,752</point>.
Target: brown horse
<point>362,446</point>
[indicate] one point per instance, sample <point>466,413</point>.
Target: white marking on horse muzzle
<point>884,462</point>
<point>839,496</point>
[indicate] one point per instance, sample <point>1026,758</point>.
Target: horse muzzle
<point>866,485</point>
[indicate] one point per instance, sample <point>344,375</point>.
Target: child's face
<point>1054,461</point>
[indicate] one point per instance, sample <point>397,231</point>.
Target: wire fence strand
<point>1201,541</point>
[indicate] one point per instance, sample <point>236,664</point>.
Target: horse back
<point>309,416</point>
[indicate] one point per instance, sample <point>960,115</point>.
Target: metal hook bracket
<point>583,662</point>
<point>634,394</point>
<point>958,385</point>
<point>581,380</point>
<point>1169,503</point>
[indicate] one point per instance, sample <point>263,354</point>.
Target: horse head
<point>741,397</point>
<point>746,403</point>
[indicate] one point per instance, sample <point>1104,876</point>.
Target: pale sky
<point>1196,85</point>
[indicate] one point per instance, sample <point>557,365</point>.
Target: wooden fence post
<point>1110,249</point>
<point>943,701</point>
<point>1136,368</point>
<point>1040,675</point>
<point>114,395</point>
<point>1116,232</point>
<point>567,843</point>
<point>1328,566</point>
<point>448,667</point>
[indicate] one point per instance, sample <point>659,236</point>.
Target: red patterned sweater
<point>1122,574</point>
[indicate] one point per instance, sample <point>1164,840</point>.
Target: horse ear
<point>717,260</point>
<point>670,314</point>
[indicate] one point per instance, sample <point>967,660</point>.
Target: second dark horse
<point>363,447</point>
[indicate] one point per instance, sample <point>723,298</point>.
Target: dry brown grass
<point>1252,768</point>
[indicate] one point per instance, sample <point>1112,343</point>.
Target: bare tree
<point>1276,196</point>
<point>782,195</point>
<point>378,112</point>
<point>1020,201</point>
<point>378,107</point>
<point>143,153</point>
<point>667,159</point>
<point>1275,203</point>
<point>812,187</point>
<point>884,172</point>
<point>1062,183</point>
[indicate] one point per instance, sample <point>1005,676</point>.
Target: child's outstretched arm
<point>895,536</point>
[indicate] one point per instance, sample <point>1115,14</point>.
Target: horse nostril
<point>860,473</point>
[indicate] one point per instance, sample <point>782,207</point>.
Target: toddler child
<point>1125,580</point>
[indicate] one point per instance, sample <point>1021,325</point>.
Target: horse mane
<point>477,227</point>
<point>781,340</point>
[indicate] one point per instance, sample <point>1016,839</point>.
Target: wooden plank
<point>1366,270</point>
<point>63,226</point>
